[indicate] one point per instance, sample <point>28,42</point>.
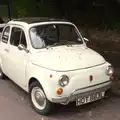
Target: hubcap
<point>38,98</point>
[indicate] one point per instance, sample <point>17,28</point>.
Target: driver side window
<point>17,37</point>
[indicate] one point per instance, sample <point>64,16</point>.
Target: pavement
<point>14,105</point>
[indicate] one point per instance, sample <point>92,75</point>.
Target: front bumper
<point>102,87</point>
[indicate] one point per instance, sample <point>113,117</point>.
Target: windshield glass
<point>54,35</point>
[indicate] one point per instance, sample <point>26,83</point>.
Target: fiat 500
<point>50,60</point>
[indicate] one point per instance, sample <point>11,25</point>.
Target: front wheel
<point>38,99</point>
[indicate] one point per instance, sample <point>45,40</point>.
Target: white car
<point>50,60</point>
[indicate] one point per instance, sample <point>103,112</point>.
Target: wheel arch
<point>42,84</point>
<point>33,79</point>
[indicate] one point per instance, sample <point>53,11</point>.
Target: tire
<point>34,93</point>
<point>115,89</point>
<point>108,93</point>
<point>2,75</point>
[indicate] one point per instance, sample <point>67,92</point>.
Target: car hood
<point>63,58</point>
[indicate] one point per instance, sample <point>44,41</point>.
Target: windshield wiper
<point>67,43</point>
<point>57,44</point>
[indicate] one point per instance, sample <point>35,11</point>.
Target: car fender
<point>40,75</point>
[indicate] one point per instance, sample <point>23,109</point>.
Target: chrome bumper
<point>79,93</point>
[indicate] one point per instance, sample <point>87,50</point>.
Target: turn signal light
<point>59,91</point>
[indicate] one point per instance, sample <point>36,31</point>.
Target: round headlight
<point>109,70</point>
<point>64,80</point>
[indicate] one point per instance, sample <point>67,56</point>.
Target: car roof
<point>31,20</point>
<point>2,25</point>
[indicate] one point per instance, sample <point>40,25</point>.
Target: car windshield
<point>54,35</point>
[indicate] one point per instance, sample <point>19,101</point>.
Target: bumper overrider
<point>82,92</point>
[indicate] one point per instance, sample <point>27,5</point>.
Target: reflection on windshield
<point>53,35</point>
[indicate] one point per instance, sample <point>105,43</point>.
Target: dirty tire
<point>48,106</point>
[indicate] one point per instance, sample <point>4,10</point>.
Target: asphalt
<point>14,105</point>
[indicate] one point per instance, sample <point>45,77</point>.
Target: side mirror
<point>22,47</point>
<point>86,40</point>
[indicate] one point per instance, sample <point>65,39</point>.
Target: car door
<point>18,58</point>
<point>4,50</point>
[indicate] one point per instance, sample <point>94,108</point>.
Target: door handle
<point>6,50</point>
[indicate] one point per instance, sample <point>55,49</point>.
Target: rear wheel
<point>38,99</point>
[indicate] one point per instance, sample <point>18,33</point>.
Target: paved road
<point>14,105</point>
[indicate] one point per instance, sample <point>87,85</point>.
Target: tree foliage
<point>85,12</point>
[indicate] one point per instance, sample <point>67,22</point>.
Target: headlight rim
<point>107,70</point>
<point>60,80</point>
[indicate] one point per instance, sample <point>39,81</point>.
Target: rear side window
<point>6,34</point>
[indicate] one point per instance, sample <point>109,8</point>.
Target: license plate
<point>90,98</point>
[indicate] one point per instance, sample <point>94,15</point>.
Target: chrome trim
<point>72,96</point>
<point>60,80</point>
<point>94,85</point>
<point>86,93</point>
<point>108,67</point>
